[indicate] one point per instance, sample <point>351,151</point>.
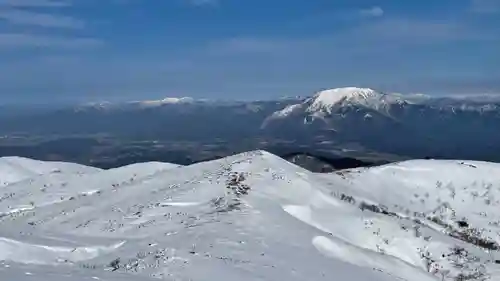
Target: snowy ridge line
<point>15,169</point>
<point>246,217</point>
<point>47,189</point>
<point>353,94</point>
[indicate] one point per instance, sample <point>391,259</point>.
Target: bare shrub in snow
<point>237,185</point>
<point>115,264</point>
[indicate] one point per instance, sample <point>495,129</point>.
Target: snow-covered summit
<point>329,100</point>
<point>332,97</point>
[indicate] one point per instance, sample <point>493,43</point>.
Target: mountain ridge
<point>419,126</point>
<point>347,91</point>
<point>248,215</point>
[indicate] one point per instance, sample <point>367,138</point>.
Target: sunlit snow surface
<point>251,216</point>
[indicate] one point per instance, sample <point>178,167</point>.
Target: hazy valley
<point>292,189</point>
<point>347,122</point>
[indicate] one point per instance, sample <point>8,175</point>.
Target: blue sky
<point>92,50</point>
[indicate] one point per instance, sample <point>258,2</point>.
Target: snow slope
<point>14,169</point>
<point>52,188</point>
<point>254,216</point>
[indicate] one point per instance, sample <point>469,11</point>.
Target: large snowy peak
<point>330,101</point>
<point>351,96</point>
<point>414,125</point>
<point>341,103</point>
<point>342,114</point>
<point>338,101</point>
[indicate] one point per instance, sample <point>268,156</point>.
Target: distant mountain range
<point>415,126</point>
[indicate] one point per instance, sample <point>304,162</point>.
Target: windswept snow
<point>51,188</point>
<point>254,216</point>
<point>16,251</point>
<point>15,169</point>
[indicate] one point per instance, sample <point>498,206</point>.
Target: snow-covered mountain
<point>408,125</point>
<point>172,103</point>
<point>135,105</point>
<point>327,102</point>
<point>333,101</point>
<point>253,216</point>
<point>414,125</point>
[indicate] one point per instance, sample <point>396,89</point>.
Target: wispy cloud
<point>23,17</point>
<point>367,37</point>
<point>22,40</point>
<point>203,2</point>
<point>372,12</point>
<point>405,30</point>
<point>47,16</point>
<point>249,45</point>
<point>485,6</point>
<point>34,3</point>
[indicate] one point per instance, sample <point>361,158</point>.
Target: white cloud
<point>247,45</point>
<point>42,14</point>
<point>415,31</point>
<point>23,17</point>
<point>372,12</point>
<point>367,37</point>
<point>34,3</point>
<point>23,40</point>
<point>485,6</point>
<point>203,2</point>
